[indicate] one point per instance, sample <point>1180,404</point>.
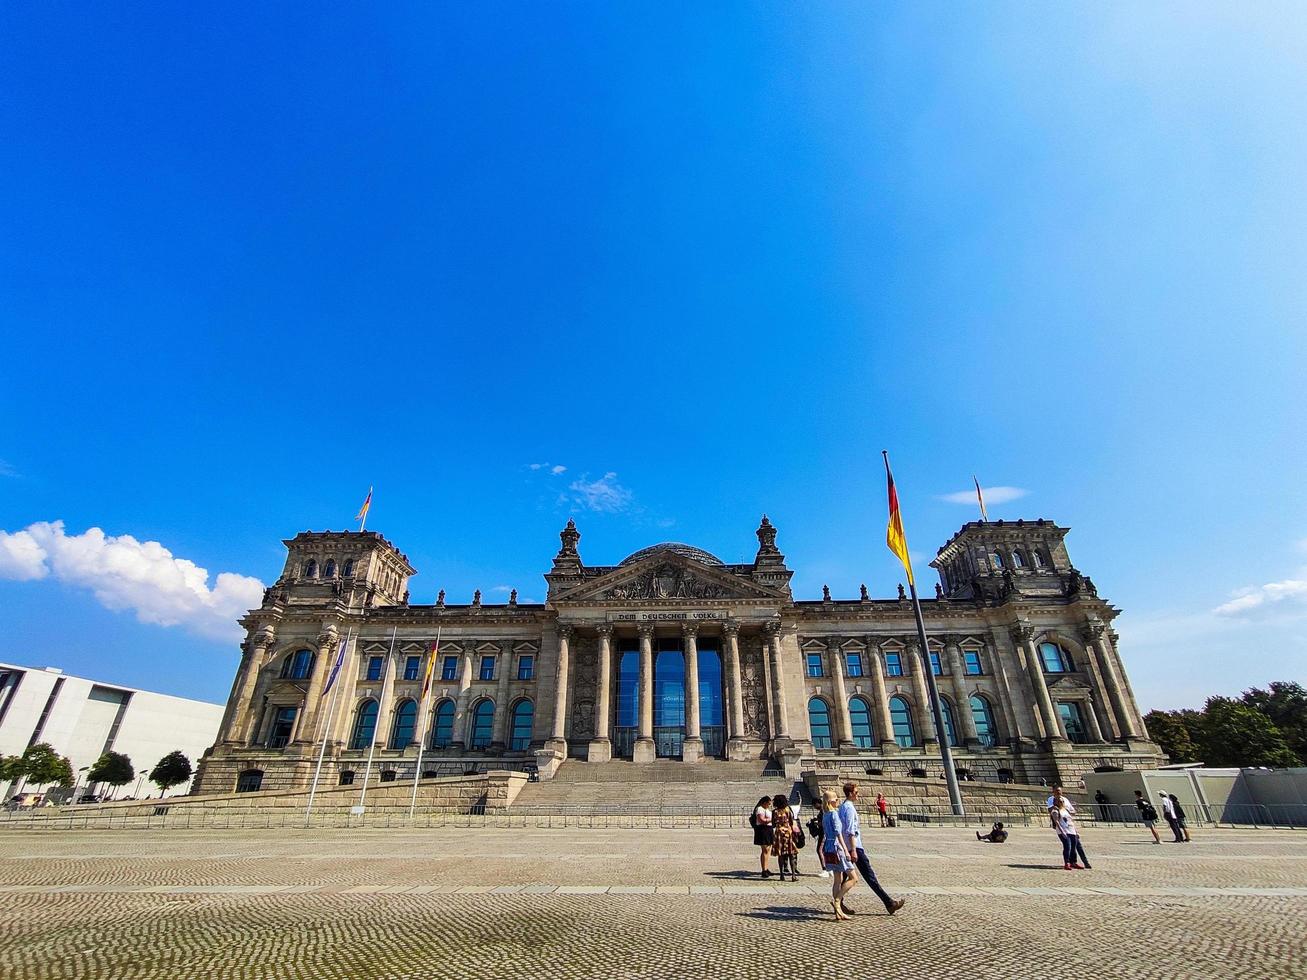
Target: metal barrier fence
<point>611,816</point>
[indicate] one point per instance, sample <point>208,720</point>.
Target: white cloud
<point>993,495</point>
<point>604,494</point>
<point>1291,593</point>
<point>7,469</point>
<point>501,588</point>
<point>553,468</point>
<point>126,574</point>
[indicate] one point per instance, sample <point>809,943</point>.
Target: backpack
<point>753,818</point>
<point>1149,812</point>
<point>814,826</point>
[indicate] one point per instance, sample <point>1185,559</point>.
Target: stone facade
<point>674,653</point>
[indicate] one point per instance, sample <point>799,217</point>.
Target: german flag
<point>894,536</point>
<point>431,664</point>
<point>362,515</point>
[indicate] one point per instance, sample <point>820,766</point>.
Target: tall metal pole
<point>372,750</point>
<point>322,749</point>
<point>422,727</point>
<point>945,750</point>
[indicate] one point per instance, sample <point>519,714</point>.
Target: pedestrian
<point>1148,814</point>
<point>996,835</point>
<point>816,828</point>
<point>835,853</point>
<point>1179,818</point>
<point>853,836</point>
<point>1168,813</point>
<point>1061,814</point>
<point>784,832</point>
<point>762,833</point>
<point>882,807</point>
<point>1101,799</point>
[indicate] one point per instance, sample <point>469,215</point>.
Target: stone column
<point>782,731</point>
<point>1023,636</point>
<point>503,666</point>
<point>601,746</point>
<point>880,699</point>
<point>1091,718</point>
<point>1095,635</point>
<point>644,751</point>
<point>962,716</point>
<point>921,697</point>
<point>237,728</point>
<point>843,723</point>
<point>692,743</point>
<point>559,733</point>
<point>382,735</point>
<point>460,740</point>
<point>736,748</point>
<point>308,731</point>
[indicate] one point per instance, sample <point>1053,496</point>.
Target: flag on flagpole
<point>362,515</point>
<point>980,497</point>
<point>894,536</point>
<point>431,665</point>
<point>335,667</point>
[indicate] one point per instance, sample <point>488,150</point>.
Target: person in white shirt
<point>848,811</point>
<point>1061,813</point>
<point>1168,814</point>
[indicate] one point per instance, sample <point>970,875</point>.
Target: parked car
<point>25,801</point>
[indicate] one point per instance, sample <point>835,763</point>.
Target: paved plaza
<point>458,902</point>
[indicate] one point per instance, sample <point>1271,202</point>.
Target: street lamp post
<point>140,777</point>
<point>78,783</point>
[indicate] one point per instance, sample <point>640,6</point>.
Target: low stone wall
<point>929,797</point>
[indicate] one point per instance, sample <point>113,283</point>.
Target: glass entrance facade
<point>669,698</point>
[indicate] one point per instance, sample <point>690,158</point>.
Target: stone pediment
<point>668,577</point>
<point>1068,684</point>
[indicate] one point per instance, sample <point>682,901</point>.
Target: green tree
<point>42,766</point>
<point>1176,733</point>
<point>11,767</point>
<point>113,768</point>
<point>1235,734</point>
<point>1285,703</point>
<point>172,769</point>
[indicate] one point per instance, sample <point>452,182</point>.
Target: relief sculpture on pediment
<point>667,582</point>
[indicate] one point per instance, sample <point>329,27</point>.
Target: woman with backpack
<point>1148,814</point>
<point>762,832</point>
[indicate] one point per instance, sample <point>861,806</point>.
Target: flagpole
<point>322,749</point>
<point>422,728</point>
<point>898,543</point>
<point>372,749</point>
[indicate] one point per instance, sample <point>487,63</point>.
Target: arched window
<point>249,781</point>
<point>365,725</point>
<point>1037,558</point>
<point>997,559</point>
<point>950,729</point>
<point>348,569</point>
<point>983,715</point>
<point>311,569</point>
<point>406,719</point>
<point>864,736</point>
<point>442,727</point>
<point>1055,658</point>
<point>901,717</point>
<point>329,569</point>
<point>819,722</point>
<point>298,665</point>
<point>483,724</point>
<point>523,718</point>
<point>1017,560</point>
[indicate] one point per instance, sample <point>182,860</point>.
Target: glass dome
<point>698,554</point>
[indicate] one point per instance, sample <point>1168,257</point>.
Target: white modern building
<point>82,719</point>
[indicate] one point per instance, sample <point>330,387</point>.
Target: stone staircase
<point>710,787</point>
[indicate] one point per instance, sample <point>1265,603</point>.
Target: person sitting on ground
<point>996,835</point>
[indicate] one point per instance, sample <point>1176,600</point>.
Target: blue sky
<point>711,261</point>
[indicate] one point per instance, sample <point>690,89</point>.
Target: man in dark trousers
<point>853,840</point>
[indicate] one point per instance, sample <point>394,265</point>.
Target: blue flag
<point>335,668</point>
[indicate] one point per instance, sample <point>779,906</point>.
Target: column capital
<point>835,643</point>
<point>1092,631</point>
<point>604,629</point>
<point>771,628</point>
<point>1021,633</point>
<point>565,631</point>
<point>328,636</point>
<point>264,637</point>
<point>689,630</point>
<point>645,631</point>
<point>730,628</point>
<point>951,641</point>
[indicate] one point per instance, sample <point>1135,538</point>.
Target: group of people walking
<point>1172,812</point>
<point>778,833</point>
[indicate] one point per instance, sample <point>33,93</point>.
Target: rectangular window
<point>936,667</point>
<point>526,666</point>
<point>449,669</point>
<point>973,661</point>
<point>893,664</point>
<point>411,667</point>
<point>374,668</point>
<point>283,722</point>
<point>487,668</point>
<point>814,665</point>
<point>855,664</point>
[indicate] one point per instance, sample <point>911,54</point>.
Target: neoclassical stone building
<point>673,653</point>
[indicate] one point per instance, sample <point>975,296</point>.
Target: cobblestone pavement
<point>584,903</point>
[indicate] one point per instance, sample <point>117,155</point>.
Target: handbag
<point>799,839</point>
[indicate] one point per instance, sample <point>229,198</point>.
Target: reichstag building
<point>673,653</point>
